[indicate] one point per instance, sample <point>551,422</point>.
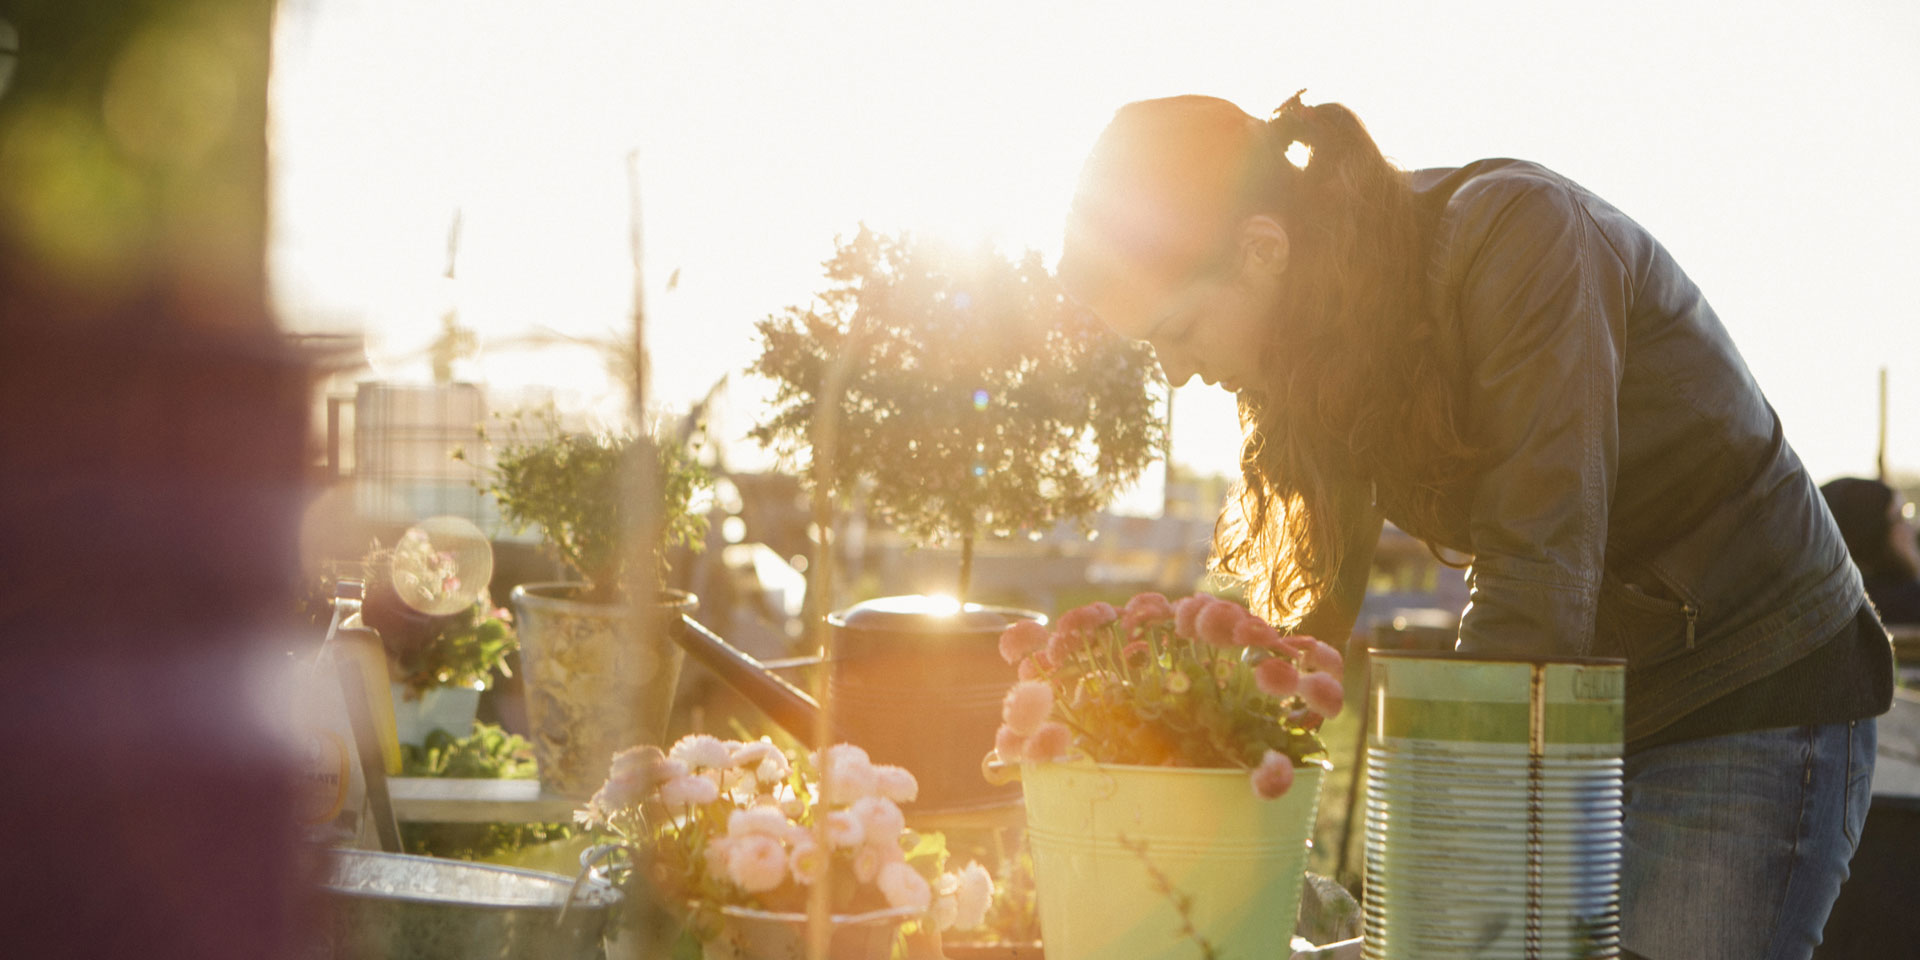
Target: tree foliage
<point>977,399</point>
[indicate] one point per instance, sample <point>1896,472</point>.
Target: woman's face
<point>1214,325</point>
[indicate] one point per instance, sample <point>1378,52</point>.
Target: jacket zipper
<point>1693,616</point>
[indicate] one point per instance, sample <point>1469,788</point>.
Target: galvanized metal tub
<point>390,905</point>
<point>1493,807</point>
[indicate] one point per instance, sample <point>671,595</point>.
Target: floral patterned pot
<point>595,682</point>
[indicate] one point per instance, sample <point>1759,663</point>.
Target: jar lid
<point>922,614</point>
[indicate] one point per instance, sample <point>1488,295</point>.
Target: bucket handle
<point>589,858</point>
<point>997,771</point>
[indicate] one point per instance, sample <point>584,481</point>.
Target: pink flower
<point>688,791</point>
<point>881,819</point>
<point>868,860</point>
<point>765,821</point>
<point>1186,614</point>
<point>1274,775</point>
<point>844,830</point>
<point>903,886</point>
<point>896,783</point>
<point>974,897</point>
<point>757,863</point>
<point>1009,744</point>
<point>763,759</point>
<point>700,751</point>
<point>1031,668</point>
<point>1276,677</point>
<point>1086,619</point>
<point>1254,632</point>
<point>1137,646</point>
<point>1322,694</point>
<point>1024,637</point>
<point>807,862</point>
<point>1062,646</point>
<point>1146,608</point>
<point>1050,742</point>
<point>846,774</point>
<point>1319,656</point>
<point>1306,719</point>
<point>1027,705</point>
<point>1218,621</point>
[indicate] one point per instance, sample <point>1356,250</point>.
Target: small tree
<point>973,396</point>
<point>572,485</point>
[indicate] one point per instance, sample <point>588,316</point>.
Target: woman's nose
<point>1178,371</point>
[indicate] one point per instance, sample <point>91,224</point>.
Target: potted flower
<point>596,680</point>
<point>1170,749</point>
<point>440,661</point>
<point>967,399</point>
<point>735,836</point>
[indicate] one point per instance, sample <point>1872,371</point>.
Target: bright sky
<point>1769,144</point>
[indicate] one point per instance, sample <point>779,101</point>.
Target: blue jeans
<point>1736,846</point>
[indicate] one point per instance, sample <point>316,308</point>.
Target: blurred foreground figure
<point>151,449</point>
<point>1874,519</point>
<point>1506,366</point>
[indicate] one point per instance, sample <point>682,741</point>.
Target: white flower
<point>974,896</point>
<point>846,774</point>
<point>688,791</point>
<point>757,863</point>
<point>903,886</point>
<point>764,759</point>
<point>868,860</point>
<point>895,783</point>
<point>881,818</point>
<point>844,830</point>
<point>807,862</point>
<point>716,856</point>
<point>945,913</point>
<point>765,821</point>
<point>701,752</point>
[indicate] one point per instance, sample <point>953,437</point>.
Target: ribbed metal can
<point>1493,808</point>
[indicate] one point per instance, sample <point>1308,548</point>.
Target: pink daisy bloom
<point>757,863</point>
<point>1009,744</point>
<point>1322,694</point>
<point>1274,775</point>
<point>1276,677</point>
<point>1024,637</point>
<point>1088,618</point>
<point>1216,624</point>
<point>1050,742</point>
<point>1027,705</point>
<point>1254,632</point>
<point>1186,613</point>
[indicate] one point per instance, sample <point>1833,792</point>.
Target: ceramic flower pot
<point>746,934</point>
<point>1115,847</point>
<point>592,686</point>
<point>451,709</point>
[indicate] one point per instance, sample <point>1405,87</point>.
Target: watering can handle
<point>784,704</point>
<point>997,771</point>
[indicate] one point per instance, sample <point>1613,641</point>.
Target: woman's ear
<point>1263,245</point>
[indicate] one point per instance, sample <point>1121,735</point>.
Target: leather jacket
<point>1636,496</point>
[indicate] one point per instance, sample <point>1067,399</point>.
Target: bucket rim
<point>1319,765</point>
<point>1379,653</point>
<point>592,893</point>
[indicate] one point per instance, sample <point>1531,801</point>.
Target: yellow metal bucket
<point>1118,849</point>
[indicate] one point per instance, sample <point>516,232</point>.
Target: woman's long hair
<point>1359,400</point>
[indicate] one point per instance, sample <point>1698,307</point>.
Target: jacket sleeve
<point>1542,303</point>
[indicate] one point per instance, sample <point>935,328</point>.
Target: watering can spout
<point>785,704</point>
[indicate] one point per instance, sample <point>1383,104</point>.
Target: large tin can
<point>1493,807</point>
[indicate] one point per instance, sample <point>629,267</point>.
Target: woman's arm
<point>1542,304</point>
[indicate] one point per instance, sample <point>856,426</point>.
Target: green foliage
<point>573,485</point>
<point>488,753</point>
<point>976,399</point>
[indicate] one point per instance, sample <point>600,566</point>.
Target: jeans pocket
<point>1860,750</point>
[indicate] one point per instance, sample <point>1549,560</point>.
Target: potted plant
<point>595,679</point>
<point>968,399</point>
<point>440,661</point>
<point>1169,749</point>
<point>734,837</point>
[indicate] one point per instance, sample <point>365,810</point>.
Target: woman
<point>1504,365</point>
<point>1874,521</point>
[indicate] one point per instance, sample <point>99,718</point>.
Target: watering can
<point>912,681</point>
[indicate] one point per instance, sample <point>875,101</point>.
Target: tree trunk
<point>966,567</point>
